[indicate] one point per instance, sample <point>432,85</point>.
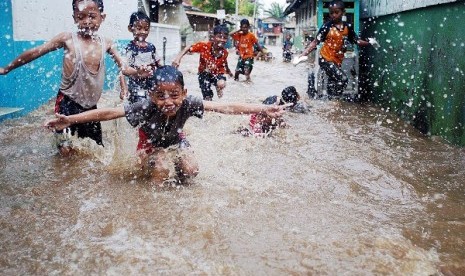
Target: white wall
<point>43,19</point>
<point>370,8</point>
<point>173,40</point>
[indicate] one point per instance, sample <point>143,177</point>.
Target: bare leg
<point>187,164</point>
<point>159,166</point>
<point>219,88</point>
<point>247,75</point>
<point>66,151</point>
<point>236,75</point>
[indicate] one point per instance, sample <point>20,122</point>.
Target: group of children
<point>158,103</point>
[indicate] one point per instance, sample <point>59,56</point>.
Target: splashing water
<point>344,189</point>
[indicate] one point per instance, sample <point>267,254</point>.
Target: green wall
<point>419,70</point>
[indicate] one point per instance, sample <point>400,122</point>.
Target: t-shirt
<point>208,62</point>
<point>245,44</point>
<point>160,130</point>
<point>137,57</point>
<point>287,45</point>
<point>334,41</point>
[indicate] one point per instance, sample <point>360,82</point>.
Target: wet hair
<point>245,22</point>
<point>138,16</point>
<point>271,100</point>
<point>337,4</point>
<point>220,29</point>
<point>290,95</point>
<point>166,73</point>
<point>99,4</point>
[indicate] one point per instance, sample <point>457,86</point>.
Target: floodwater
<point>345,189</point>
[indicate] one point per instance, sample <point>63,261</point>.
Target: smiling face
<point>245,28</point>
<point>140,30</point>
<point>219,40</point>
<point>88,17</point>
<point>168,97</point>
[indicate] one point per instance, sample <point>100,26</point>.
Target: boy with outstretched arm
<point>161,119</point>
<point>213,62</point>
<point>83,72</point>
<point>335,34</point>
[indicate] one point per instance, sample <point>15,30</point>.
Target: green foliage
<point>276,11</point>
<point>211,6</point>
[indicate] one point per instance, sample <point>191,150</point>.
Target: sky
<point>267,3</point>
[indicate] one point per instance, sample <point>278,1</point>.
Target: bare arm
<point>125,69</point>
<point>177,59</point>
<point>95,115</point>
<point>362,43</point>
<point>311,47</point>
<point>34,53</point>
<point>243,108</point>
<point>228,71</point>
<point>124,87</point>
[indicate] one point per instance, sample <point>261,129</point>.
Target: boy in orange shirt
<point>335,34</point>
<point>213,62</point>
<point>245,45</point>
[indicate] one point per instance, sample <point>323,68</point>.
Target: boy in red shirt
<point>213,62</point>
<point>245,46</point>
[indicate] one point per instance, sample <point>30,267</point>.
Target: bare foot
<point>67,151</point>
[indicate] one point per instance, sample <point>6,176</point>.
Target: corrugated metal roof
<point>295,4</point>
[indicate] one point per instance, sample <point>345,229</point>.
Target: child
<point>139,54</point>
<point>261,125</point>
<point>335,34</point>
<point>245,45</point>
<point>213,62</point>
<point>287,48</point>
<point>83,69</point>
<point>162,118</point>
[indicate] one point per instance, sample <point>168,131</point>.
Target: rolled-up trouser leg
<point>337,80</point>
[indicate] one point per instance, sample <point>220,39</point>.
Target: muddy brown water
<point>345,189</point>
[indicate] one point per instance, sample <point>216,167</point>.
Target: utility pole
<point>254,16</point>
<point>236,15</point>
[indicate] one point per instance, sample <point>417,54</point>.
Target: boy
<point>261,125</point>
<point>335,34</point>
<point>287,48</point>
<point>162,118</point>
<point>213,62</point>
<point>245,46</point>
<point>139,54</point>
<point>83,68</point>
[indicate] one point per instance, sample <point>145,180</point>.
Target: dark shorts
<point>205,82</point>
<point>135,98</point>
<point>244,64</point>
<point>337,79</point>
<point>64,105</point>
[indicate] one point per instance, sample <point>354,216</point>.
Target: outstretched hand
<point>3,71</point>
<point>60,123</point>
<point>275,111</point>
<point>175,63</point>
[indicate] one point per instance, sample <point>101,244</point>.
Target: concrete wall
<point>419,70</point>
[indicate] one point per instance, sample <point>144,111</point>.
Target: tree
<point>211,6</point>
<point>275,11</point>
